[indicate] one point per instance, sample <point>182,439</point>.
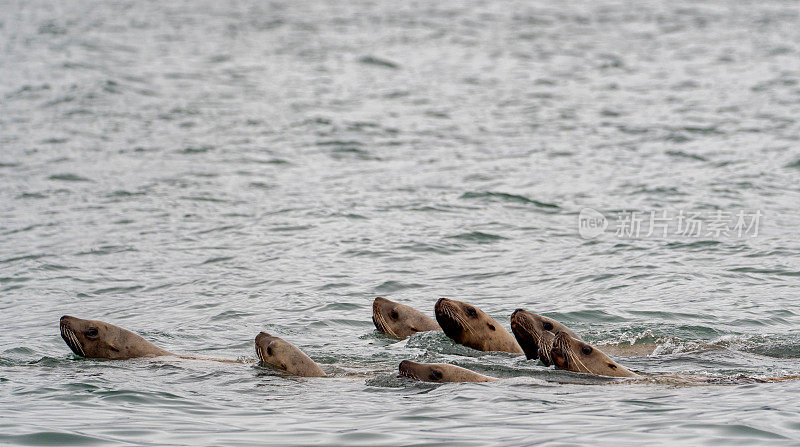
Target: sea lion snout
<point>65,320</point>
<point>69,336</point>
<point>404,366</point>
<point>445,308</point>
<point>261,336</point>
<point>406,369</point>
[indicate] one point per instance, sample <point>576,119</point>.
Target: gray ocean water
<point>201,171</point>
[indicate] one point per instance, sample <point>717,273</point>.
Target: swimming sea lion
<point>575,355</point>
<point>528,328</point>
<point>282,355</point>
<point>470,326</point>
<point>100,340</point>
<point>398,320</point>
<point>440,372</point>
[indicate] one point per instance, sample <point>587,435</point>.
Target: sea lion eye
<point>586,349</point>
<point>548,326</point>
<point>491,327</point>
<point>394,314</point>
<point>471,312</point>
<point>269,350</point>
<point>92,332</point>
<point>436,374</point>
<point>612,366</point>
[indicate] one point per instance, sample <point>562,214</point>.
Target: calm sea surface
<point>200,171</point>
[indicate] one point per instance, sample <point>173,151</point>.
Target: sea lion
<point>575,355</point>
<point>284,356</point>
<point>398,320</point>
<point>100,340</point>
<point>528,329</point>
<point>472,327</point>
<point>440,372</point>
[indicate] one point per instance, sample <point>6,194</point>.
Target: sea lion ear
<point>113,348</point>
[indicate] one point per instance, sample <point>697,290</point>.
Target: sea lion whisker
<point>464,324</point>
<point>578,361</point>
<point>71,338</point>
<point>571,356</point>
<point>386,327</point>
<point>262,354</point>
<point>378,320</point>
<point>526,326</point>
<point>75,342</point>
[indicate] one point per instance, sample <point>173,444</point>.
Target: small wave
<point>32,195</point>
<point>111,290</point>
<point>216,260</point>
<point>681,154</point>
<point>765,271</point>
<point>504,197</point>
<point>196,149</point>
<point>477,236</point>
<point>69,178</point>
<point>21,258</point>
<point>396,286</point>
<point>427,248</point>
<point>334,285</point>
<point>231,315</point>
<point>52,438</point>
<point>380,62</point>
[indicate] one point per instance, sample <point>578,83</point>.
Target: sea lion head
<point>398,320</point>
<point>440,373</point>
<point>282,355</point>
<point>470,326</point>
<point>101,340</point>
<point>575,355</point>
<point>425,372</point>
<point>528,328</point>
